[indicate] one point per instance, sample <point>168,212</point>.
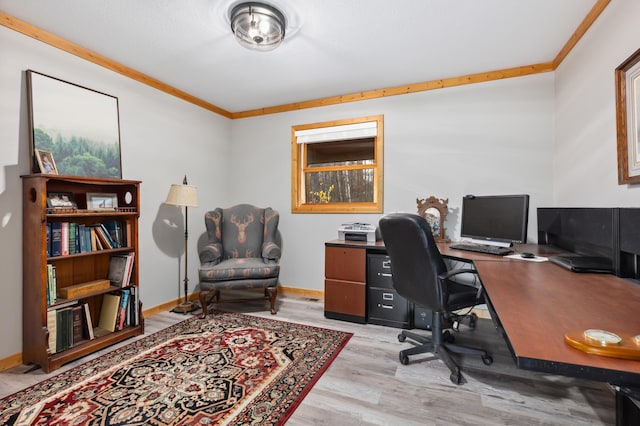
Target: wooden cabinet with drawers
<point>345,283</point>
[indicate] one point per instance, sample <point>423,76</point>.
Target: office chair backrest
<point>416,261</point>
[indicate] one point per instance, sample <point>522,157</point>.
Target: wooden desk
<point>537,303</point>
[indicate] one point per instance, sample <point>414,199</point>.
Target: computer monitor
<point>495,219</point>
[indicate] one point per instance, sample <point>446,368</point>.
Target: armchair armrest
<point>211,253</point>
<point>271,251</point>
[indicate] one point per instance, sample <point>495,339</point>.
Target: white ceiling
<point>332,47</point>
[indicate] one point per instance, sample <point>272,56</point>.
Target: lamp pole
<point>186,248</point>
<point>188,200</point>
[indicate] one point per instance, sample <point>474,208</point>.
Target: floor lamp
<point>187,196</point>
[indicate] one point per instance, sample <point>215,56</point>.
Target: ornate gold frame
<point>434,210</point>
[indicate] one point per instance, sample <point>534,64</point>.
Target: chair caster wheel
<point>487,360</point>
<point>473,319</point>
<point>456,378</point>
<point>448,337</point>
<point>401,337</point>
<point>404,359</point>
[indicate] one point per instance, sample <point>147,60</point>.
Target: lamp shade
<point>257,26</point>
<point>183,195</point>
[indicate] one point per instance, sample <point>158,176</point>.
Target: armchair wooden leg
<point>203,303</point>
<point>204,294</point>
<point>272,292</point>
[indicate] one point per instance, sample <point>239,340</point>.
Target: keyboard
<point>480,248</point>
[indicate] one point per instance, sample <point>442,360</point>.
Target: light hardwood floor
<point>367,385</point>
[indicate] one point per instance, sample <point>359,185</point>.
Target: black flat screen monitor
<point>495,219</point>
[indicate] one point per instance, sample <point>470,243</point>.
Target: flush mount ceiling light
<point>257,26</point>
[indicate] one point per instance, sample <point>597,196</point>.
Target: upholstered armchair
<point>241,253</point>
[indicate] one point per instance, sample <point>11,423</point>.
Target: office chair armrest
<point>447,275</point>
<point>454,272</point>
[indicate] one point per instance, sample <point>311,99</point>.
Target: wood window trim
<point>298,171</point>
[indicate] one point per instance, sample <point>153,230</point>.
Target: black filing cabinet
<point>384,305</point>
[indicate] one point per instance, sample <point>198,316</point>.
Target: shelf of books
<point>80,269</point>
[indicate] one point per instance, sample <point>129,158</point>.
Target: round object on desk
<point>602,337</point>
<point>627,347</point>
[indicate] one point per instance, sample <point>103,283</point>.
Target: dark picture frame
<point>61,200</point>
<point>628,119</point>
<point>77,125</point>
<point>46,162</point>
<point>102,201</point>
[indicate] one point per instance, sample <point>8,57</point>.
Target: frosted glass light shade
<point>257,26</point>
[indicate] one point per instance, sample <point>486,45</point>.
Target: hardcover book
<point>64,246</point>
<point>109,312</point>
<point>53,333</point>
<point>87,238</point>
<point>56,239</point>
<point>88,322</point>
<point>114,228</point>
<point>118,269</point>
<point>108,236</point>
<point>122,313</point>
<point>77,321</point>
<point>72,238</point>
<point>48,239</point>
<point>64,329</point>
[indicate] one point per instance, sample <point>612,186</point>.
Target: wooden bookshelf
<point>77,267</point>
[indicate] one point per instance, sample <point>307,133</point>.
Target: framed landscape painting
<point>628,119</point>
<point>78,126</point>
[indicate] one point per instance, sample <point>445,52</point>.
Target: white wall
<point>489,138</point>
<point>585,159</point>
<point>162,138</point>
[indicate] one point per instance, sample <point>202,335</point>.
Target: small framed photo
<point>102,201</point>
<point>46,162</point>
<point>61,200</point>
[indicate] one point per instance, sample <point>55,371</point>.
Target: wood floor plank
<point>367,385</point>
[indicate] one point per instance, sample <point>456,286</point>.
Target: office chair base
<point>442,350</point>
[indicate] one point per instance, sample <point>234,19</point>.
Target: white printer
<point>357,232</point>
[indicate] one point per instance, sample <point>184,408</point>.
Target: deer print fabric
<point>242,231</point>
<point>242,246</point>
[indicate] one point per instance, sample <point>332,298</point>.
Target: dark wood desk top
<point>537,303</point>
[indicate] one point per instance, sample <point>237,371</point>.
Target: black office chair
<point>420,275</point>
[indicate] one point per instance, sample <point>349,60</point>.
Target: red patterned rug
<point>227,369</point>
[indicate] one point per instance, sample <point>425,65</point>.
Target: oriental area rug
<point>229,369</point>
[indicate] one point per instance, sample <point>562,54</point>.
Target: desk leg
<point>627,406</point>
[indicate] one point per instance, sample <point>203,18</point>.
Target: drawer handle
<point>382,274</point>
<point>386,264</point>
<point>387,296</point>
<point>387,306</point>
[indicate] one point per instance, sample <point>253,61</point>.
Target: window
<point>337,166</point>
